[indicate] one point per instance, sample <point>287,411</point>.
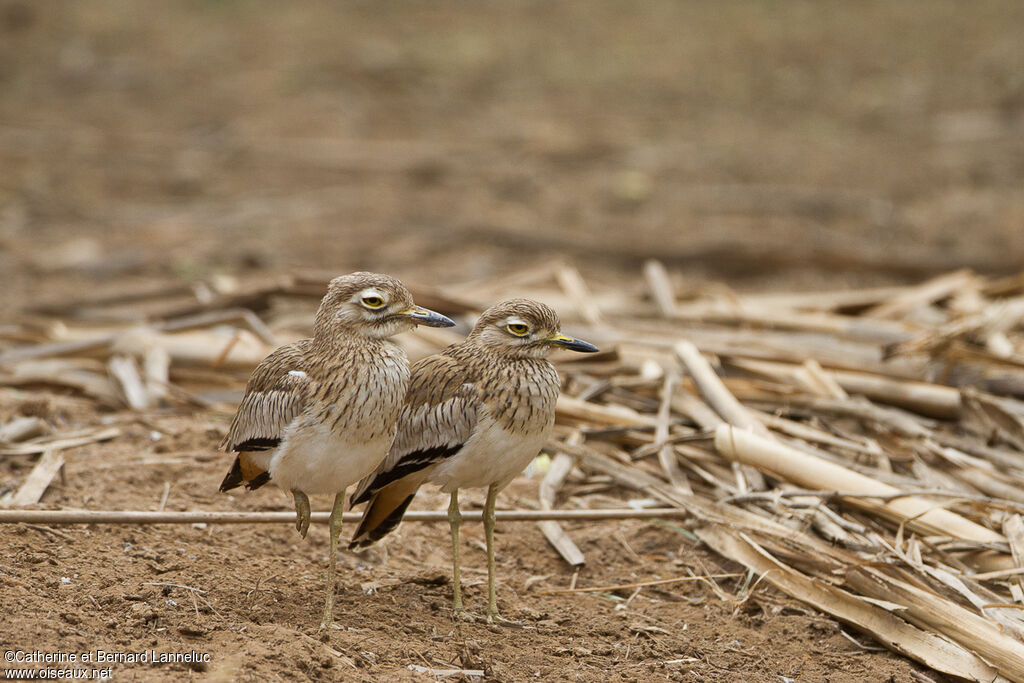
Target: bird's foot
<point>494,618</point>
<point>461,614</point>
<point>326,623</point>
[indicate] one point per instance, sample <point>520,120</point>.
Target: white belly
<point>314,459</point>
<point>491,456</point>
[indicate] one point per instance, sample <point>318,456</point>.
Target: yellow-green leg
<point>335,525</point>
<point>492,603</point>
<point>454,522</point>
<point>301,512</point>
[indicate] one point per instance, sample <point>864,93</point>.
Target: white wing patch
<point>298,373</point>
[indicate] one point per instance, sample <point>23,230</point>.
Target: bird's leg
<point>335,526</point>
<point>492,603</point>
<point>301,512</point>
<point>454,522</point>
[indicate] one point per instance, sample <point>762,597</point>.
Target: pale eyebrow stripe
<point>371,291</point>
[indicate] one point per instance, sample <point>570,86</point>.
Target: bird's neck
<point>344,342</point>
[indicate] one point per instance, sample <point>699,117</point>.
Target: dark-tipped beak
<point>572,343</point>
<point>424,316</point>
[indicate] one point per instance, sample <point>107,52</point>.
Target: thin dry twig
<point>201,517</point>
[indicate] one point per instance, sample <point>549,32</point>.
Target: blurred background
<point>763,144</point>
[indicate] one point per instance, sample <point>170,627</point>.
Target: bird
<point>320,414</point>
<point>475,415</point>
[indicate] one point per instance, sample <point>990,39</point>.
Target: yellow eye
<point>373,301</point>
<point>518,329</point>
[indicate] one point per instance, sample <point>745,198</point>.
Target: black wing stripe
<point>411,462</point>
<point>258,481</point>
<point>257,444</point>
<point>382,529</point>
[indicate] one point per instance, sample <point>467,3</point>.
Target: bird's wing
<point>275,395</point>
<point>439,414</point>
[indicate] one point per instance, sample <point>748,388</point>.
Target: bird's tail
<point>384,512</point>
<point>248,469</point>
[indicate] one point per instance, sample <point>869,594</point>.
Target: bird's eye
<point>373,301</point>
<point>518,329</point>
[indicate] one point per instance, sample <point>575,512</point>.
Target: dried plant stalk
<point>933,651</point>
<point>37,482</point>
<point>806,470</point>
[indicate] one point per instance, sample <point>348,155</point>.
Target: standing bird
<point>475,415</point>
<point>320,414</point>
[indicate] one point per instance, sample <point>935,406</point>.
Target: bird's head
<point>522,328</point>
<point>373,305</point>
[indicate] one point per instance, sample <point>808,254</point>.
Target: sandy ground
<point>255,593</point>
<point>790,145</point>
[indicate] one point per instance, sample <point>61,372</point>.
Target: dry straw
<point>859,450</point>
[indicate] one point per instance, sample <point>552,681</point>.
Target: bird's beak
<point>425,316</point>
<point>572,343</point>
